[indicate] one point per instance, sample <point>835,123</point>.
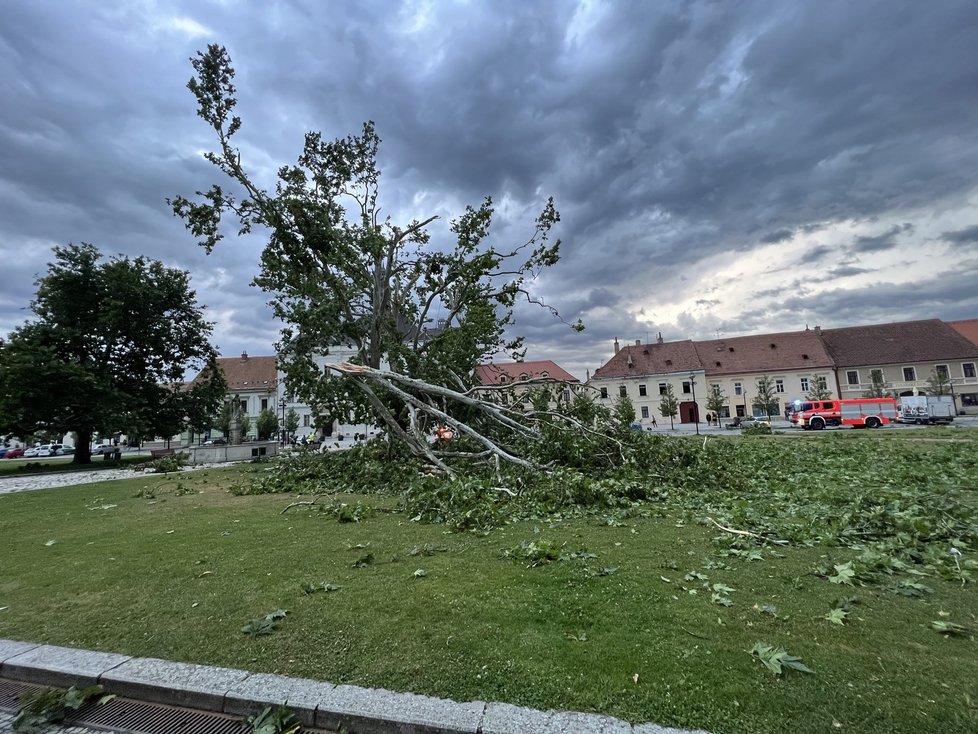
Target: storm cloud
<point>700,153</point>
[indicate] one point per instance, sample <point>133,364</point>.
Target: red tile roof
<point>899,343</point>
<point>791,350</point>
<point>968,329</point>
<point>650,359</point>
<point>248,373</point>
<point>494,374</point>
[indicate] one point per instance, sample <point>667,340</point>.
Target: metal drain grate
<point>135,717</point>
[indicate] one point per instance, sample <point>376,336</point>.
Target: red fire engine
<point>858,413</point>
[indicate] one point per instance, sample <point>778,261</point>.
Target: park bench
<point>158,453</point>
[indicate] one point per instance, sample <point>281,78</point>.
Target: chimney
<point>244,356</point>
<point>617,348</point>
<point>658,339</point>
<point>818,330</point>
<point>638,342</point>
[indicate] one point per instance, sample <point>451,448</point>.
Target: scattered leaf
<point>777,659</point>
<point>837,616</point>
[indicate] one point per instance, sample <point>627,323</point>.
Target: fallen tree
<point>338,274</point>
<point>495,429</point>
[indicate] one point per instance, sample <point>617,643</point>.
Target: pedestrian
<point>654,424</point>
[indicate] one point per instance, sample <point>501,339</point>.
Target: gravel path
<point>26,483</point>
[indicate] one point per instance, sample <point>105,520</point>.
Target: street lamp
<point>284,435</point>
<point>696,409</point>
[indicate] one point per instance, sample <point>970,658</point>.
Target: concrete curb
<point>318,704</point>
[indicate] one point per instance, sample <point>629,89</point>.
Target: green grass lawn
<point>174,566</point>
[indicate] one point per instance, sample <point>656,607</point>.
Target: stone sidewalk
<point>317,704</point>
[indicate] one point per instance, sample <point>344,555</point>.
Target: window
<point>715,388</point>
<point>969,399</point>
<point>738,389</point>
<point>622,391</point>
<point>822,383</point>
<point>852,377</point>
<point>876,375</point>
<point>942,372</point>
<point>968,369</point>
<point>264,403</point>
<point>641,391</point>
<point>687,388</point>
<point>740,410</point>
<point>663,388</point>
<point>305,420</point>
<point>566,394</point>
<point>505,397</point>
<point>645,411</point>
<point>524,377</point>
<point>779,386</point>
<point>804,384</point>
<point>909,374</point>
<point>244,406</point>
<point>604,392</point>
<point>503,379</point>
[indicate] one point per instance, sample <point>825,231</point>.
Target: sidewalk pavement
<point>316,704</point>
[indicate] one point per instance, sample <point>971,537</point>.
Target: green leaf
<point>721,599</point>
<point>948,628</point>
<point>420,573</point>
<point>776,659</point>
<point>837,616</point>
<point>844,574</point>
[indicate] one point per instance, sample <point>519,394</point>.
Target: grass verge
<point>648,615</point>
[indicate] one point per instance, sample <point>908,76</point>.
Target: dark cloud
<point>966,236</point>
<point>815,255</point>
<point>881,242</point>
<point>782,235</point>
<point>668,135</point>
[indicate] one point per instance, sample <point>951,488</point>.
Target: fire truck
<point>858,412</point>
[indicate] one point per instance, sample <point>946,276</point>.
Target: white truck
<point>921,409</point>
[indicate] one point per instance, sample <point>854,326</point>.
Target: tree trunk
<point>83,447</point>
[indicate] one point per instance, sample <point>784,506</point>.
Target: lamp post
<point>283,435</point>
<point>696,409</point>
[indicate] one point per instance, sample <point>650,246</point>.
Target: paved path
<point>28,482</point>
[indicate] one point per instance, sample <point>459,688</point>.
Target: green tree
<point>623,414</point>
<point>244,426</point>
<point>338,273</point>
<point>291,422</point>
<point>766,399</point>
<point>818,388</point>
<point>266,425</point>
<point>716,401</point>
<point>106,351</point>
<point>669,405</point>
<point>939,383</point>
<point>878,386</point>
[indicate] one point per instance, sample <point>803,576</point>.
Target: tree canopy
<point>338,273</point>
<point>107,351</point>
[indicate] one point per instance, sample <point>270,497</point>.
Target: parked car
<point>754,423</point>
<point>45,449</point>
<point>216,442</point>
<point>14,453</point>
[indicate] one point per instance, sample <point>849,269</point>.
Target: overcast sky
<point>720,168</point>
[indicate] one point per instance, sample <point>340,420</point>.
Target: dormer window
<point>524,377</point>
<point>718,364</point>
<point>773,345</point>
<point>669,363</point>
<point>544,374</point>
